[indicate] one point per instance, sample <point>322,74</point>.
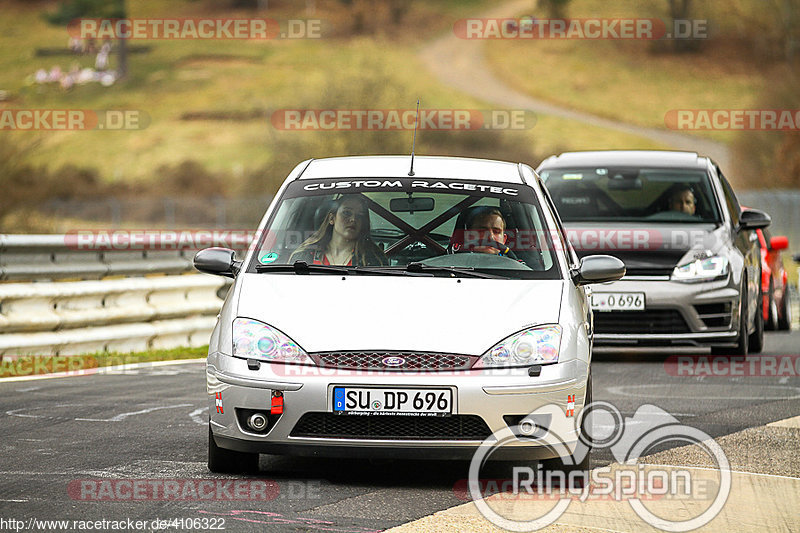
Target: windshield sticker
<point>464,187</point>
<point>601,171</point>
<point>417,184</point>
<point>572,176</point>
<point>270,257</point>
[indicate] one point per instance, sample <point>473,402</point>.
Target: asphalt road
<point>68,442</point>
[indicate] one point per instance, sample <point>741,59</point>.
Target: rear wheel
<point>785,316</point>
<point>224,461</point>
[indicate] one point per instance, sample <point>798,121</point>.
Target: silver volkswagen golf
<point>400,307</point>
<point>693,263</point>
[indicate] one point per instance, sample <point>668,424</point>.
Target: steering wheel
<point>504,251</point>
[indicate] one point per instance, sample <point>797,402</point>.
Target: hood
<point>324,312</point>
<point>645,248</point>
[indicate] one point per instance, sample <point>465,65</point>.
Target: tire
<point>772,307</point>
<point>756,340</point>
<point>785,314</point>
<point>742,343</point>
<point>224,461</point>
<point>585,465</point>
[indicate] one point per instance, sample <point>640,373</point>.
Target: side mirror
<point>779,242</point>
<point>218,261</point>
<point>599,269</point>
<point>754,219</point>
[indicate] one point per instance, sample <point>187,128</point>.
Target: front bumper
<point>692,314</point>
<point>489,395</point>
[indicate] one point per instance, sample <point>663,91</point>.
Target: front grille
<point>374,360</point>
<point>715,315</point>
<point>331,426</point>
<point>653,321</point>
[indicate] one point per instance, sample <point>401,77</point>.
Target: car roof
<point>397,166</point>
<point>627,158</point>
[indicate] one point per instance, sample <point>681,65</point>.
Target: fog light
<point>257,422</point>
<point>527,426</point>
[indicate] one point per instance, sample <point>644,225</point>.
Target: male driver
<point>486,223</point>
<point>683,200</point>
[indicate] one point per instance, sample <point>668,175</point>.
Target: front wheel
<point>742,341</point>
<point>224,461</point>
<point>756,339</point>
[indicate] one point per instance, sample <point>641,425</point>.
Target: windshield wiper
<point>467,272</point>
<point>301,267</point>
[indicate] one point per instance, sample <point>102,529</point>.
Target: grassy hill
<point>637,81</point>
<point>179,79</point>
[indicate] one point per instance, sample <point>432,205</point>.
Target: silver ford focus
<point>401,307</point>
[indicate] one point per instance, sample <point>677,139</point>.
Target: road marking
<point>703,393</point>
<point>116,418</point>
<point>123,416</point>
<point>793,478</point>
<point>195,416</point>
<point>793,422</point>
<point>102,370</point>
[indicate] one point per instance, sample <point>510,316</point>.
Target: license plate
<point>618,301</point>
<point>390,401</point>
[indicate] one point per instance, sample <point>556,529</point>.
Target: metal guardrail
<point>35,257</point>
<point>59,300</point>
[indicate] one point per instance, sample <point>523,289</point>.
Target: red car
<point>777,309</point>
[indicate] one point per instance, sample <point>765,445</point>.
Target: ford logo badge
<point>393,361</point>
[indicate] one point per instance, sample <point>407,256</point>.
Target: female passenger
<point>343,238</point>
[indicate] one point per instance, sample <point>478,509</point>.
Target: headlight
<point>255,340</point>
<point>534,346</point>
<point>702,269</point>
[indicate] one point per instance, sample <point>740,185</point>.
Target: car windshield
<point>631,195</point>
<point>437,226</point>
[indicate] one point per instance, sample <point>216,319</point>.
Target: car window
<point>572,256</point>
<point>411,220</point>
<point>626,194</point>
<point>730,199</point>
